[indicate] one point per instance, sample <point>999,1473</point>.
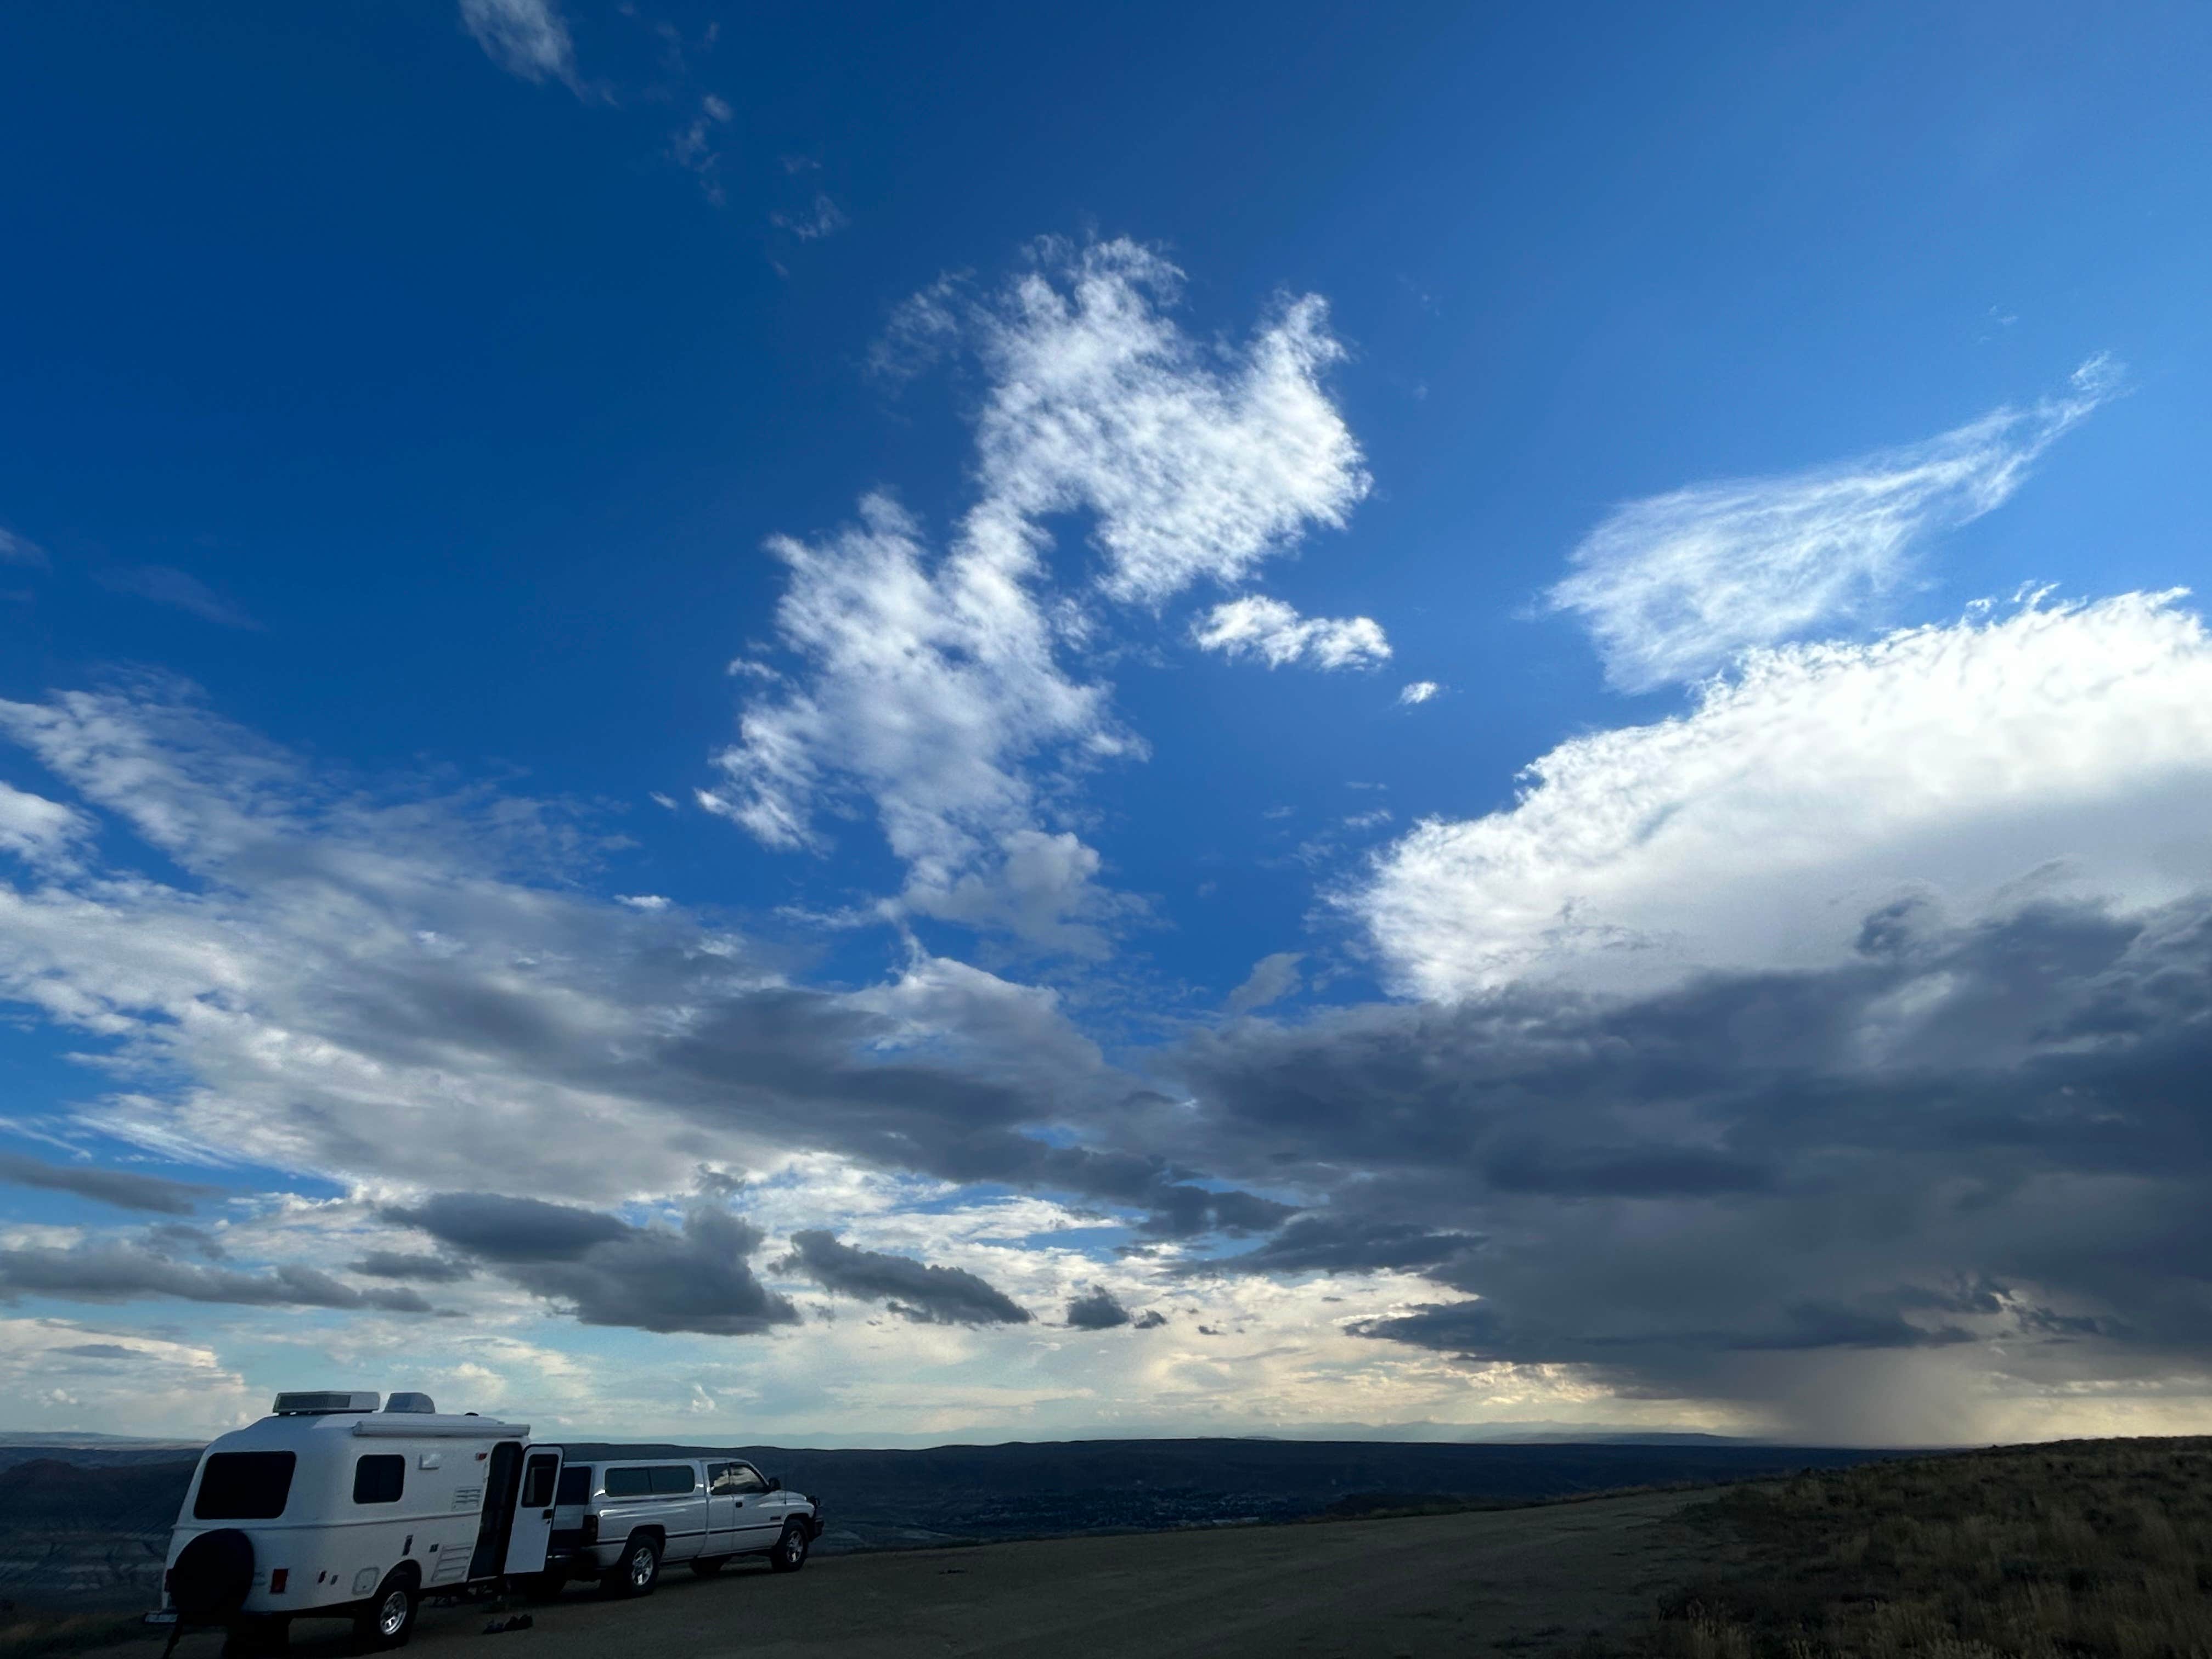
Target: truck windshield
<point>244,1486</point>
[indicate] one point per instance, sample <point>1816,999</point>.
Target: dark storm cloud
<point>123,1273</point>
<point>606,1272</point>
<point>116,1186</point>
<point>1998,1133</point>
<point>911,1289</point>
<point>1097,1311</point>
<point>415,1269</point>
<point>1335,1244</point>
<point>508,1229</point>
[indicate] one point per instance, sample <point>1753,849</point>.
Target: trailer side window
<point>244,1486</point>
<point>576,1486</point>
<point>673,1481</point>
<point>628,1483</point>
<point>380,1478</point>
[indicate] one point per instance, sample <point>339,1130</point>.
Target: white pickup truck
<point>621,1513</point>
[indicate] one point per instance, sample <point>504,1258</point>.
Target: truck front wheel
<point>789,1554</point>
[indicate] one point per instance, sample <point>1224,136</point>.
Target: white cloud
<point>1673,587</point>
<point>1256,626</point>
<point>935,686</point>
<point>1417,693</point>
<point>822,217</point>
<point>1100,402</point>
<point>525,38</point>
<point>1971,767</point>
<point>36,829</point>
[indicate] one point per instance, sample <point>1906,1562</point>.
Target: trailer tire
<point>387,1621</point>
<point>789,1554</point>
<point>213,1576</point>
<point>639,1570</point>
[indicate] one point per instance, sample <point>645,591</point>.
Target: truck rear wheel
<point>639,1570</point>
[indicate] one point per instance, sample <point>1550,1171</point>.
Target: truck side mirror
<point>775,1483</point>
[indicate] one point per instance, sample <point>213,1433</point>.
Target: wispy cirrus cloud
<point>526,38</point>
<point>180,591</point>
<point>1275,634</point>
<point>1675,586</point>
<point>20,550</point>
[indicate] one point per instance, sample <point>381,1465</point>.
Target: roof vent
<point>321,1403</point>
<point>409,1403</point>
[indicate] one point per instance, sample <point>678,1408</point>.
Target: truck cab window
<point>379,1479</point>
<point>244,1486</point>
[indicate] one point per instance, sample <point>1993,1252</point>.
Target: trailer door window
<point>380,1478</point>
<point>537,1481</point>
<point>244,1486</point>
<point>673,1481</point>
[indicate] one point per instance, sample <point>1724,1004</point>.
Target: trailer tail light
<point>277,1579</point>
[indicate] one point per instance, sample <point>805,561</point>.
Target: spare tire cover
<point>213,1575</point>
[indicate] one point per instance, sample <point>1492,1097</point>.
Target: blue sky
<point>1082,653</point>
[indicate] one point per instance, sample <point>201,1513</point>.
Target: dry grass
<point>2073,1551</point>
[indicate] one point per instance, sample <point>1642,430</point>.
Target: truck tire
<point>638,1570</point>
<point>388,1619</point>
<point>789,1554</point>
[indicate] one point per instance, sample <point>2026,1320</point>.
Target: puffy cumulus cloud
<point>1985,1140</point>
<point>525,38</point>
<point>1962,769</point>
<point>697,1277</point>
<point>407,992</point>
<point>913,1290</point>
<point>942,688</point>
<point>1277,635</point>
<point>114,1270</point>
<point>121,1188</point>
<point>63,1375</point>
<point>1673,587</point>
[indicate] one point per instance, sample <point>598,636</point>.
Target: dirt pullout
<point>1535,1580</point>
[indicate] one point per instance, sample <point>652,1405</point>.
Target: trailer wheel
<point>639,1567</point>
<point>388,1619</point>
<point>789,1554</point>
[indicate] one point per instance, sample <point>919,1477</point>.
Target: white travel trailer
<point>330,1507</point>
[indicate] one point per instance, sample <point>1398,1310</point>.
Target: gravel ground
<point>1535,1581</point>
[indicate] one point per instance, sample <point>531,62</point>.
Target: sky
<point>889,725</point>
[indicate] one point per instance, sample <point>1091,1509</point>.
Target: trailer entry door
<point>533,1511</point>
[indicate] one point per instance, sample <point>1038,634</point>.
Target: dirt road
<point>1534,1581</point>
